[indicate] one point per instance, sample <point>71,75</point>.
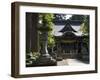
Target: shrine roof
<point>67,27</point>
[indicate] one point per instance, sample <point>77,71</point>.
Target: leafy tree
<point>77,17</point>
<point>85,31</point>
<point>85,25</point>
<point>85,22</point>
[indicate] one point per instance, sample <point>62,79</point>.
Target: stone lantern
<point>46,58</point>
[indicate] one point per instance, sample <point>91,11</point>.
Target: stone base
<point>43,61</point>
<point>47,60</point>
<point>59,58</point>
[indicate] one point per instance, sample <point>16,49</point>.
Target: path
<point>72,62</point>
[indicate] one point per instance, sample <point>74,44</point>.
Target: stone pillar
<point>44,50</point>
<point>45,59</point>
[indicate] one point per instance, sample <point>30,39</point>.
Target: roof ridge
<point>67,27</point>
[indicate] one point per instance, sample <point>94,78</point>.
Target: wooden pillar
<point>76,51</point>
<point>31,32</point>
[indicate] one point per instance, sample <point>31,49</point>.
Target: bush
<point>32,57</point>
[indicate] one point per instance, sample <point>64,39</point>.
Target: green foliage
<point>47,20</point>
<point>47,25</point>
<point>85,31</point>
<point>77,17</point>
<point>51,40</point>
<point>35,55</point>
<point>85,25</point>
<point>31,57</point>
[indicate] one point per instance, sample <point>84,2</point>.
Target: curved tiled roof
<point>67,27</point>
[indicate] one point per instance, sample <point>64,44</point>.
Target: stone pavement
<point>63,62</point>
<point>71,62</point>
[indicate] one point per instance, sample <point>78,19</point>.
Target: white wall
<point>5,40</point>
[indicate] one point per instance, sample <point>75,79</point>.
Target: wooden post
<point>31,32</point>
